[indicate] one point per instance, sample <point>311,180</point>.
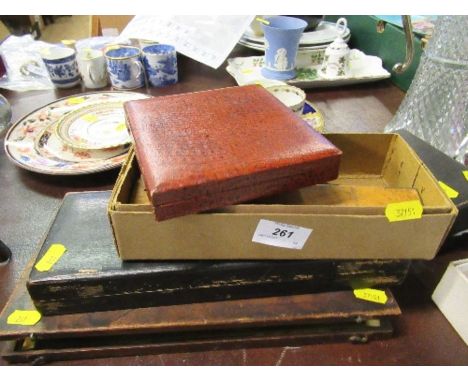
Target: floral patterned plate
<point>20,141</point>
<point>49,145</point>
<point>94,127</point>
<point>363,68</point>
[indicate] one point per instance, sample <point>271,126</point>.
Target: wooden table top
<point>422,334</point>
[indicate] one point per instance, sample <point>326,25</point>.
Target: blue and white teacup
<point>282,35</point>
<point>125,68</point>
<point>62,66</point>
<point>160,62</point>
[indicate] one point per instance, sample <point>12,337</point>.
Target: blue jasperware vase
<point>282,36</point>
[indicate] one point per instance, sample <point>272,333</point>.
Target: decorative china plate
<point>98,126</point>
<point>363,68</point>
<point>23,140</point>
<point>323,35</point>
<point>49,145</point>
<point>301,48</point>
<point>313,117</point>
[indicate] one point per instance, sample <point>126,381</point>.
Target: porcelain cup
<point>160,62</point>
<point>125,67</point>
<point>62,66</point>
<point>92,65</point>
<point>291,96</point>
<point>282,35</point>
<point>142,43</point>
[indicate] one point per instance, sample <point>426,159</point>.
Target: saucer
<point>95,127</point>
<point>324,34</point>
<point>49,145</point>
<point>20,140</point>
<point>313,117</point>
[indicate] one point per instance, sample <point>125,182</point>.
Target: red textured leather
<point>209,149</point>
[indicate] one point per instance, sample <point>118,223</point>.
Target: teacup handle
<point>96,79</point>
<point>90,75</point>
<point>341,26</point>
<point>139,65</point>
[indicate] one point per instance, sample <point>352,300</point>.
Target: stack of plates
<point>74,135</point>
<point>318,39</point>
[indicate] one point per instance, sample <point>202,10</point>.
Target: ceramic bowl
<point>291,96</point>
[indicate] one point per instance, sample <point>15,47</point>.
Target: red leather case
<point>209,149</point>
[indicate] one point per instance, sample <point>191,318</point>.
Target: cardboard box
<point>451,296</point>
<point>447,170</point>
<point>328,231</point>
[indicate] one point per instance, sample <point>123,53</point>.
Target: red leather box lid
<point>196,144</point>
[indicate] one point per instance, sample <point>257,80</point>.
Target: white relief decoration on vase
<point>281,59</point>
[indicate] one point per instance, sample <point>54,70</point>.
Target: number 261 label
<point>280,234</point>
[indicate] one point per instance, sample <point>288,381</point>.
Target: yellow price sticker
<point>409,210</point>
<point>76,100</point>
<point>373,295</point>
<point>247,71</point>
<point>24,317</point>
<point>121,126</point>
<point>263,21</point>
<point>465,174</point>
<point>53,254</point>
<point>449,191</point>
<point>90,118</point>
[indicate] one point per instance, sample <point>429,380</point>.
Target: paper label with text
<point>409,210</point>
<point>373,295</point>
<point>24,317</point>
<point>280,234</point>
<point>53,254</point>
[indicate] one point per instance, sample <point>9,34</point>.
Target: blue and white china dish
<point>125,68</point>
<point>160,62</point>
<point>62,66</point>
<point>282,35</point>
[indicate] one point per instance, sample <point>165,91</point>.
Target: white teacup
<point>92,65</point>
<point>291,96</point>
